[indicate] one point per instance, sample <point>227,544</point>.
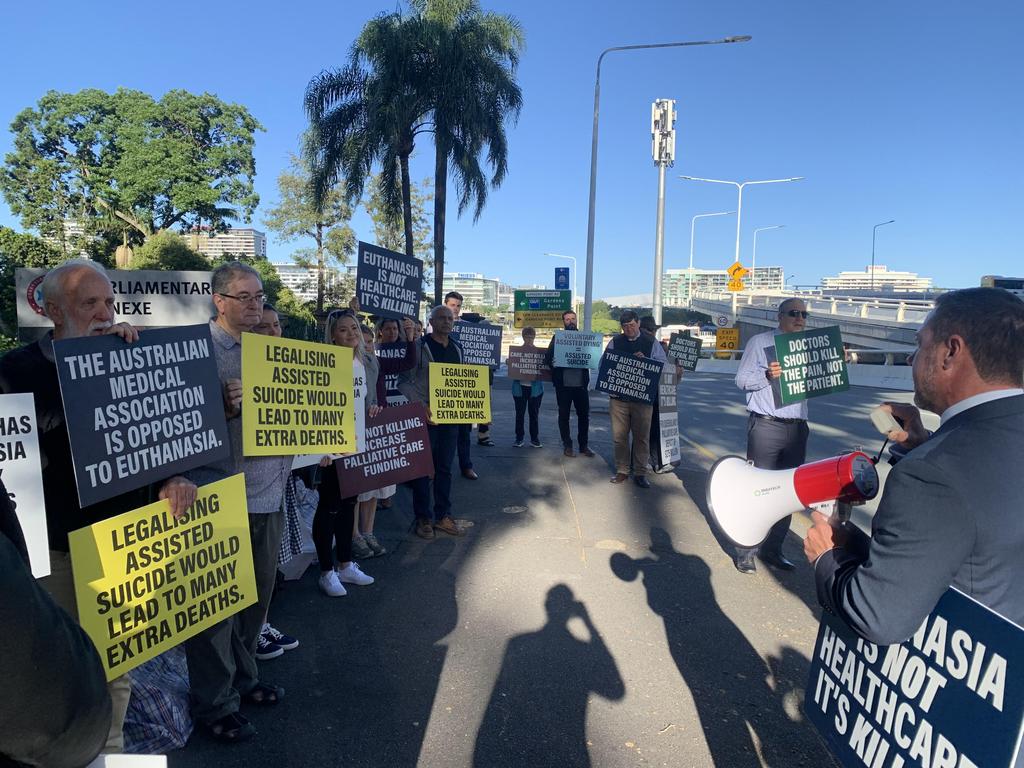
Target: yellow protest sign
<point>146,582</point>
<point>459,394</point>
<point>726,339</point>
<point>296,397</point>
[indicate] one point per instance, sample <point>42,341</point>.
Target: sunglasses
<point>340,313</point>
<point>798,313</point>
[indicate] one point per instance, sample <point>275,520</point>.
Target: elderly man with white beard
<point>79,300</point>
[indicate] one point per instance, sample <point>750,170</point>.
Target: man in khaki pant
<point>631,417</point>
<point>79,299</point>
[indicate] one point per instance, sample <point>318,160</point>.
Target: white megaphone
<point>745,502</point>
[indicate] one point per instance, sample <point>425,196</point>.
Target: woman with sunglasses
<point>335,516</point>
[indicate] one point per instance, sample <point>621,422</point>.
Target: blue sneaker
<point>278,638</point>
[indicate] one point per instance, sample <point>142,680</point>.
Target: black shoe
<point>642,481</point>
<point>777,560</point>
<point>745,564</point>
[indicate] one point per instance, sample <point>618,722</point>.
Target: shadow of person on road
<point>737,697</point>
<point>799,582</point>
<point>538,709</point>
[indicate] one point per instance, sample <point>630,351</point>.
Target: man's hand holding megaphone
<point>827,532</point>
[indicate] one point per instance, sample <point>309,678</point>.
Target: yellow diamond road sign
<point>737,271</point>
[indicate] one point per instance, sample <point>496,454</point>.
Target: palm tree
<point>370,113</point>
<point>473,89</point>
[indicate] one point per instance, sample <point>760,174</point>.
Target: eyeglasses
<point>340,313</point>
<point>245,298</point>
<point>798,313</point>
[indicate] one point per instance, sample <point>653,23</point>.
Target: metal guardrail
<point>888,355</point>
<point>892,310</point>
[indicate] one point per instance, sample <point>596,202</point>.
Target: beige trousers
<point>636,418</point>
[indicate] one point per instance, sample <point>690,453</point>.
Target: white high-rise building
<point>674,291</point>
<point>474,287</point>
<point>301,280</point>
<point>236,242</point>
<point>883,279</point>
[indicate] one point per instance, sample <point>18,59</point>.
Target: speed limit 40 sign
<point>727,340</point>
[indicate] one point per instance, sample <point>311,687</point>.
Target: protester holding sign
<point>78,299</point>
<point>528,396</point>
<point>776,434</point>
<point>950,511</point>
<point>222,659</point>
<point>272,642</point>
<point>334,521</point>
<point>571,391</point>
<point>630,416</point>
<point>453,300</point>
<point>437,347</point>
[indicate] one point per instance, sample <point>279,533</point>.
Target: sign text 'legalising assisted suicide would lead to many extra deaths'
<point>459,394</point>
<point>297,397</point>
<point>146,581</point>
<point>139,413</point>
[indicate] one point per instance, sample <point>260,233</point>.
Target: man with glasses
<point>776,434</point>
<point>627,416</point>
<point>222,659</point>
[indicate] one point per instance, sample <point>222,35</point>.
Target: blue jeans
<point>443,439</point>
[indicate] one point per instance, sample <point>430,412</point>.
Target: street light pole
<point>573,258</point>
<point>592,212</point>
<point>753,260</point>
<point>663,150</point>
<point>739,203</point>
<point>689,272</point>
<point>873,231</point>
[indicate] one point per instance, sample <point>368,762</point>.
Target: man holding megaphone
<point>950,514</point>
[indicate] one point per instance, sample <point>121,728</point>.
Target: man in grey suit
<point>950,511</point>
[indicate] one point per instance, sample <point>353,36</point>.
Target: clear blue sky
<point>911,111</point>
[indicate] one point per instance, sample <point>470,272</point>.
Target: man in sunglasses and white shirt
<point>776,434</point>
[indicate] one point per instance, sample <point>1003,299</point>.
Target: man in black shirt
<point>79,299</point>
<point>436,347</point>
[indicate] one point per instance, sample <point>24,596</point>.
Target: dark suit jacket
<point>950,515</point>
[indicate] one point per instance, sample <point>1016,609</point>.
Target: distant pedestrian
<point>528,396</point>
<point>571,391</point>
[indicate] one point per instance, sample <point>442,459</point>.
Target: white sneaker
<point>330,585</point>
<point>352,574</point>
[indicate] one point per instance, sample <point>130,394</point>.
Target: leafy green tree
<point>168,250</point>
<point>388,227</point>
<point>298,216</point>
<point>369,113</point>
<point>474,56</point>
<point>18,249</point>
<point>128,158</point>
<point>276,292</point>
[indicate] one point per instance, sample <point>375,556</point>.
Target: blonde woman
<point>335,516</point>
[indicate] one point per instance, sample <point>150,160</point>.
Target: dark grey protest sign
<point>685,349</point>
<point>388,283</point>
<point>951,695</point>
<point>481,342</point>
<point>629,378</point>
<point>139,413</point>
